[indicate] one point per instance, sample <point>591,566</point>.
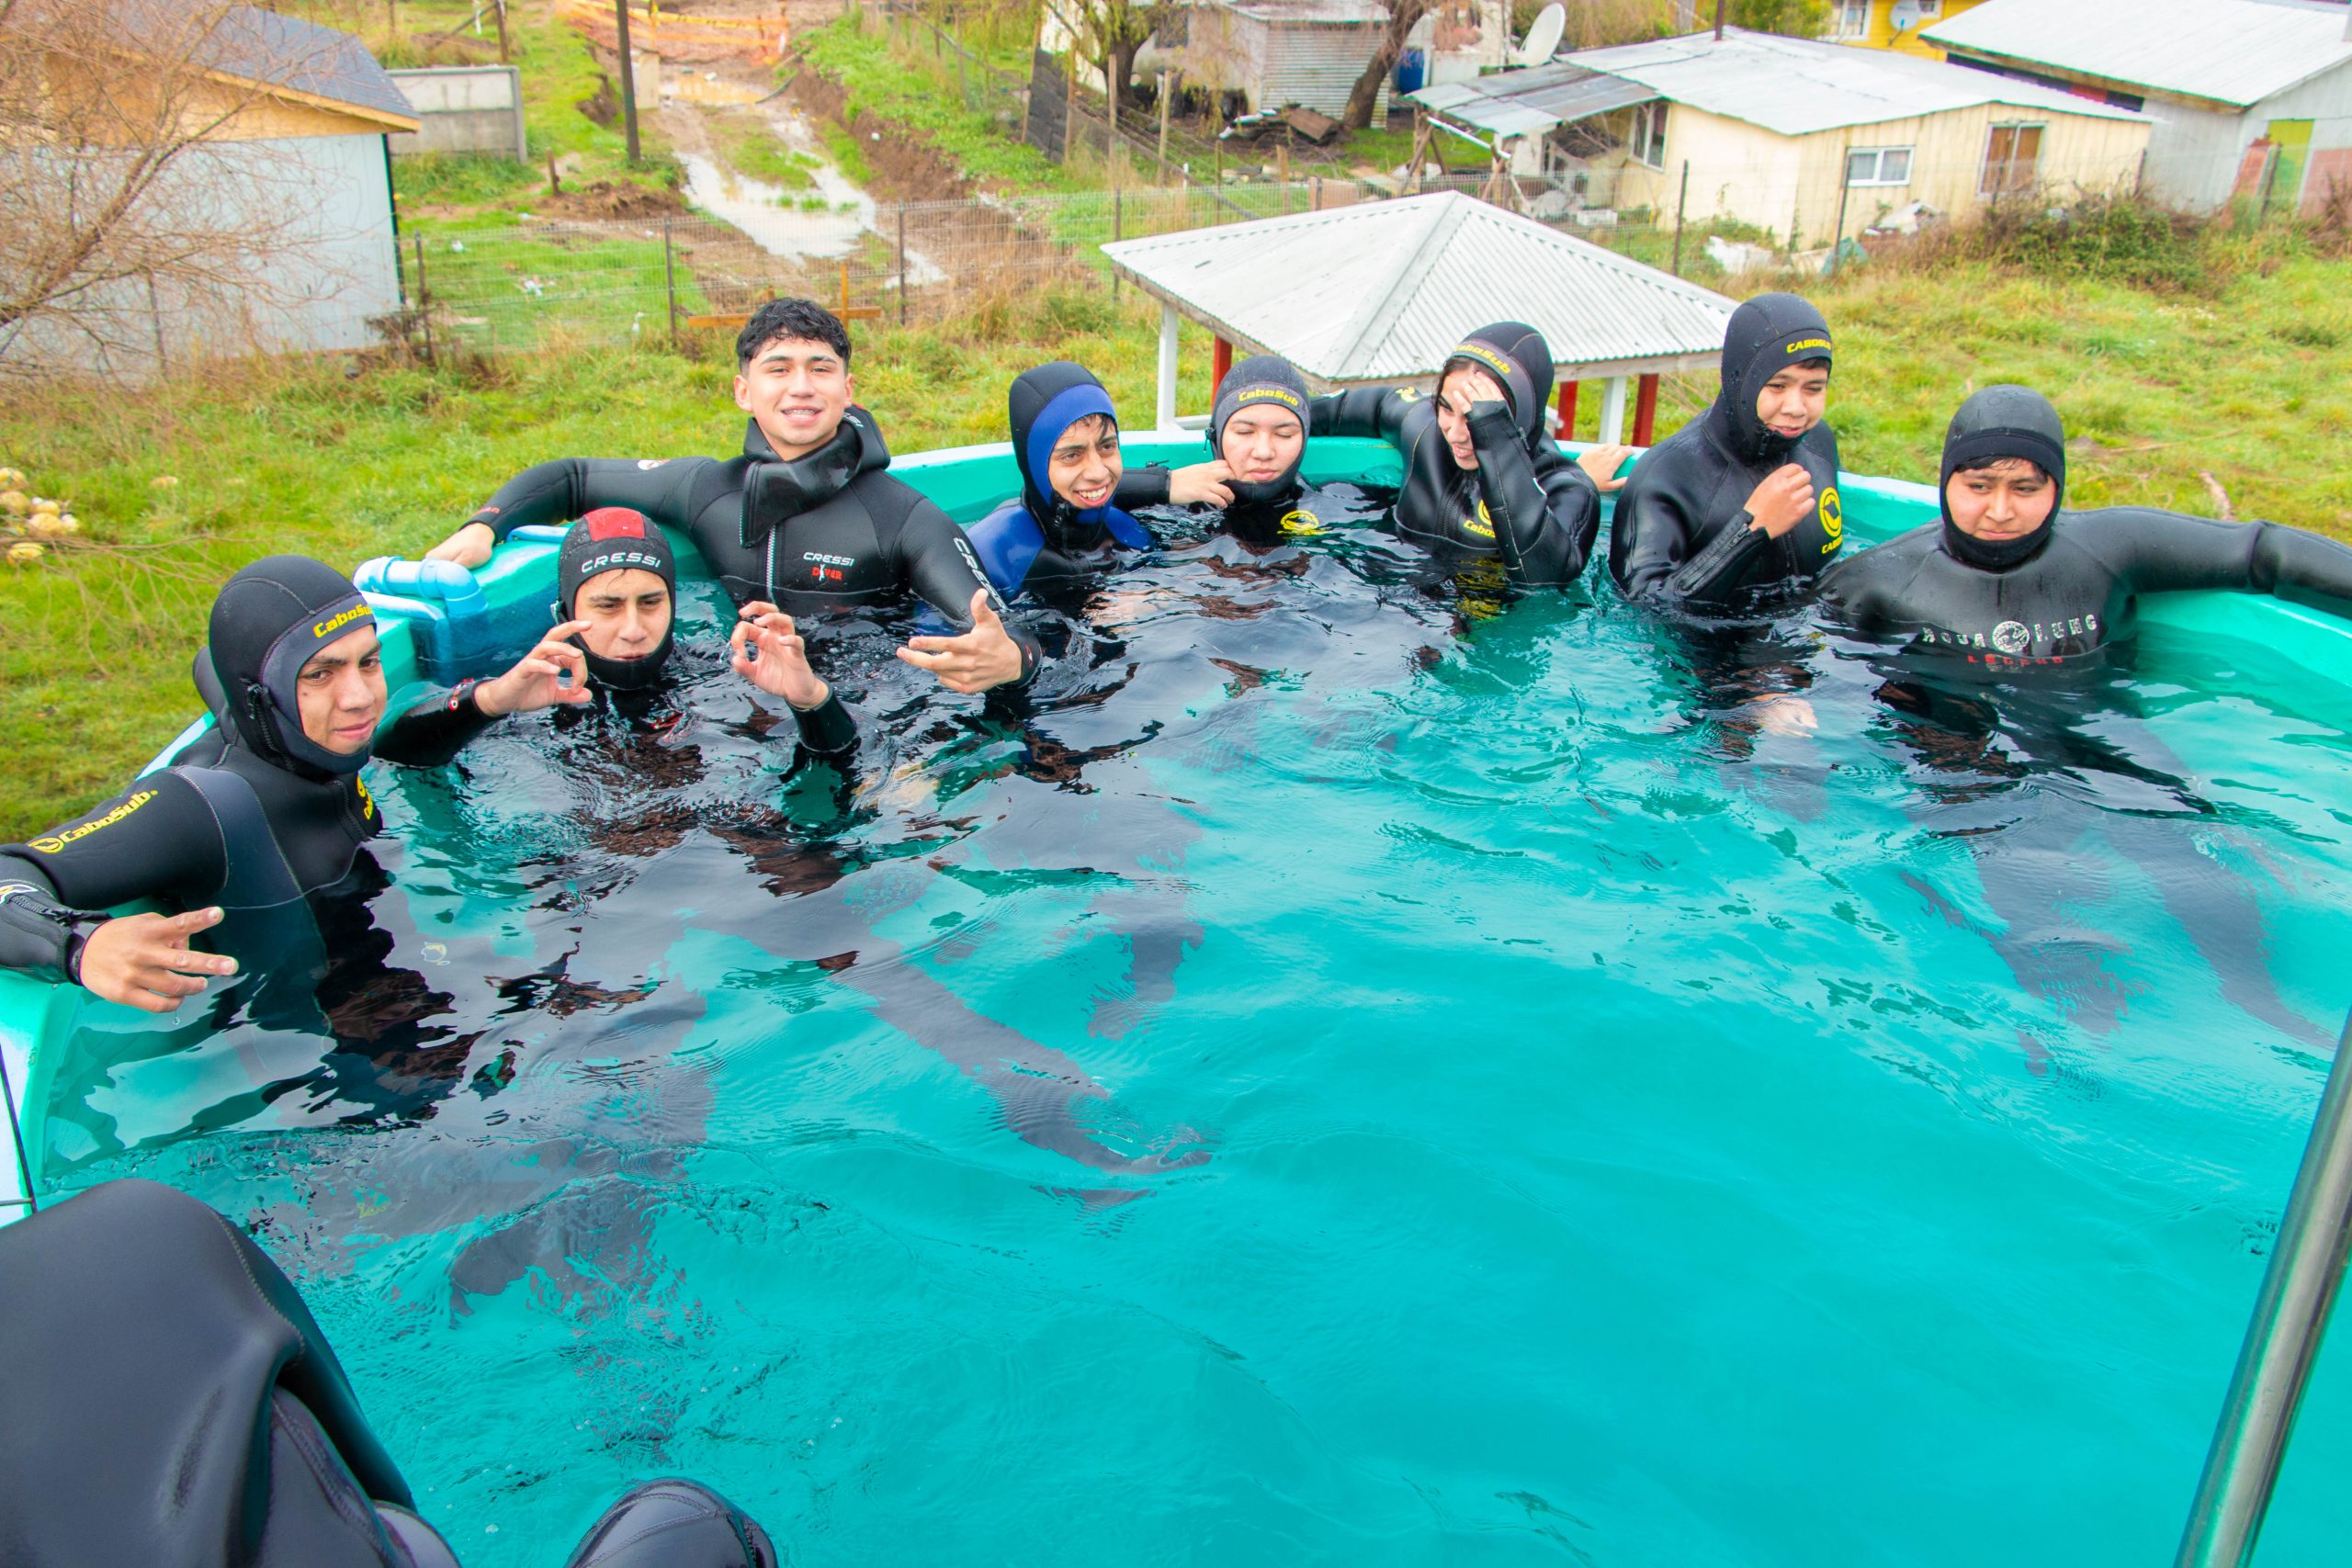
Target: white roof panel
<point>1521,102</point>
<point>1382,291</point>
<point>2234,51</point>
<point>1797,86</point>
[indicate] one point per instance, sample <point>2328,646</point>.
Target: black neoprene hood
<point>1515,354</point>
<point>617,538</point>
<point>1764,337</point>
<point>270,619</point>
<point>2002,421</point>
<point>1269,379</point>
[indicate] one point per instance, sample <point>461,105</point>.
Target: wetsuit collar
<point>777,489</point>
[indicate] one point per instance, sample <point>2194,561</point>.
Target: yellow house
<point>1801,138</point>
<point>1892,23</point>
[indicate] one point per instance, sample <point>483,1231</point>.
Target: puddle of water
<point>776,222</point>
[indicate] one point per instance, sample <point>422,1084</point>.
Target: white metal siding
<point>1315,64</point>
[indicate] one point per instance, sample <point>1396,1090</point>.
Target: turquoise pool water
<point>1349,1078</point>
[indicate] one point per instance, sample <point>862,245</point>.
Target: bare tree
<point>138,177</point>
<point>1109,32</point>
<point>1403,15</point>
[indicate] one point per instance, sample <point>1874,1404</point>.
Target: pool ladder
<point>2282,1342</point>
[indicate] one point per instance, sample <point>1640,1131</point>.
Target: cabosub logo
<point>1282,395</point>
<point>1484,356</point>
<point>1804,342</point>
<point>1833,519</point>
<point>1483,524</point>
<point>1301,521</point>
<point>320,629</point>
<point>53,843</point>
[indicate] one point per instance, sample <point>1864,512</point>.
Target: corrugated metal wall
<point>1312,63</point>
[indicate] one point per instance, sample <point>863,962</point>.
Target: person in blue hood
<point>1066,526</point>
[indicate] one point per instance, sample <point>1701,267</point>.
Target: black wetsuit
<point>170,1400</point>
<point>827,529</point>
<point>1680,535</point>
<point>1525,504</point>
<point>2068,592</point>
<point>1263,511</point>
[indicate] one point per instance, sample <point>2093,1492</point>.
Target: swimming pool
<point>1633,1133</point>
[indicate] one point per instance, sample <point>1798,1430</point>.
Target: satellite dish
<point>1544,37</point>
<point>1904,17</point>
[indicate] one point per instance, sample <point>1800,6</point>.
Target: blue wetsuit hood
<point>1040,405</point>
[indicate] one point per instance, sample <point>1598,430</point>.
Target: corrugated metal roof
<point>1521,103</point>
<point>1381,291</point>
<point>286,51</point>
<point>2234,51</point>
<point>1328,13</point>
<point>1797,86</point>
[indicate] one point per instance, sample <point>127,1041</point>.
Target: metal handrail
<point>2282,1342</point>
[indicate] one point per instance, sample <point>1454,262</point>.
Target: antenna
<point>1544,37</point>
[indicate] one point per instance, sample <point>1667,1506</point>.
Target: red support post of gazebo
<point>1567,410</point>
<point>1645,411</point>
<point>1220,365</point>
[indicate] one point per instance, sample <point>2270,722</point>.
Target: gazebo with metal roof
<point>1379,294</point>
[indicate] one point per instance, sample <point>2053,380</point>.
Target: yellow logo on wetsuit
<point>367,801</point>
<point>1833,519</point>
<point>1301,521</point>
<point>1484,356</point>
<point>1283,395</point>
<point>1802,343</point>
<point>1483,524</point>
<point>52,843</point>
<point>320,629</point>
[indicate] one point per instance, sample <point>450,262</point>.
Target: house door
<point>2293,140</point>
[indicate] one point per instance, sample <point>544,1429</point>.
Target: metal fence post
<point>903,263</point>
<point>670,279</point>
<point>1681,203</point>
<point>1118,210</point>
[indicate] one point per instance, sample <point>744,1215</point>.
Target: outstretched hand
<point>1198,482</point>
<point>537,681</point>
<point>144,961</point>
<point>772,656</point>
<point>1601,464</point>
<point>469,547</point>
<point>985,656</point>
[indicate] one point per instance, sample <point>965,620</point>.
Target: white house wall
<point>321,207</point>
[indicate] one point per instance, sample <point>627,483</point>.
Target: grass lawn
<point>2252,384</point>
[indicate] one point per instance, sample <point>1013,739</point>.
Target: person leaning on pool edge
<point>616,581</point>
<point>804,518</point>
<point>264,812</point>
<point>1742,503</point>
<point>2010,579</point>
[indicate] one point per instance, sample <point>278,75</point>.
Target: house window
<point>2012,156</point>
<point>1648,141</point>
<point>1853,19</point>
<point>1878,166</point>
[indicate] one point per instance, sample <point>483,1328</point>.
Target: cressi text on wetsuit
<point>1262,511</point>
<point>2069,591</point>
<point>1038,544</point>
<point>1680,533</point>
<point>816,532</point>
<point>621,538</point>
<point>1525,504</point>
<point>296,812</point>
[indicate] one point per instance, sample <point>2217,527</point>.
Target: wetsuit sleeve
<point>433,729</point>
<point>1375,413</point>
<point>1545,531</point>
<point>570,488</point>
<point>1141,486</point>
<point>156,840</point>
<point>827,729</point>
<point>1855,589</point>
<point>937,560</point>
<point>2164,551</point>
<point>1708,578</point>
